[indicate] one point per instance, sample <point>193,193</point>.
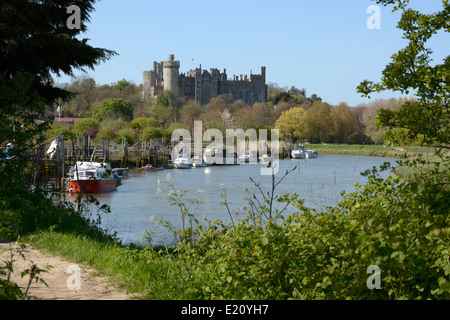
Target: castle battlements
<point>202,85</point>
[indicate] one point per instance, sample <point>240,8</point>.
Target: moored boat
<point>168,165</point>
<point>151,167</point>
<point>92,177</point>
<point>247,157</point>
<point>311,153</point>
<point>298,152</point>
<point>182,162</point>
<point>265,158</point>
<point>198,161</point>
<point>220,156</point>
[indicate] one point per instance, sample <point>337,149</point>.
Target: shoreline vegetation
<point>148,272</point>
<point>387,240</point>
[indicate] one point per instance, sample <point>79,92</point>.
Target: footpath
<point>65,280</point>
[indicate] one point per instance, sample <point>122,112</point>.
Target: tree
<point>152,132</point>
<point>344,123</point>
<point>139,124</point>
<point>35,44</point>
<point>35,39</point>
<point>165,115</point>
<point>221,102</point>
<point>122,85</point>
<point>85,124</point>
<point>244,118</point>
<point>297,92</point>
<point>319,124</point>
<point>114,109</point>
<point>109,129</point>
<point>263,114</point>
<point>292,124</point>
<point>188,114</point>
<point>413,70</point>
<point>314,97</point>
<point>165,98</point>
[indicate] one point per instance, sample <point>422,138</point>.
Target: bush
<point>23,213</point>
<point>401,227</point>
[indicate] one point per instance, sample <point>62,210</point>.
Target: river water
<point>137,203</point>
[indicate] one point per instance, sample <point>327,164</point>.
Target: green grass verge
<point>145,274</point>
<point>369,150</point>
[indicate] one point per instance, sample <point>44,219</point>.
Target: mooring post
<point>62,149</point>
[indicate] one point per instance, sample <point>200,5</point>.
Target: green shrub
<point>401,227</point>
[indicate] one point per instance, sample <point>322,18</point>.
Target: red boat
<point>93,177</point>
<point>93,186</point>
<point>150,167</point>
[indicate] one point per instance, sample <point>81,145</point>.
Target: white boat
<point>182,162</point>
<point>92,177</point>
<point>298,152</point>
<point>220,156</point>
<point>265,158</point>
<point>246,157</point>
<point>311,153</point>
<point>198,161</point>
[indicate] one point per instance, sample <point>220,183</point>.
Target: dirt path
<point>66,280</point>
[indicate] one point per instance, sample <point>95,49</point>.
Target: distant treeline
<point>117,110</point>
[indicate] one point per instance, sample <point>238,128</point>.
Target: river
<point>137,203</point>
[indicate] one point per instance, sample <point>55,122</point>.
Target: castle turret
<point>263,85</point>
<point>171,72</point>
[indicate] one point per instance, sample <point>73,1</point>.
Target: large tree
<point>114,109</point>
<point>35,38</point>
<point>344,122</point>
<point>291,124</point>
<point>319,125</point>
<point>412,70</point>
<point>36,45</point>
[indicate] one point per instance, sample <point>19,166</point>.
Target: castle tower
<point>263,85</point>
<point>171,72</point>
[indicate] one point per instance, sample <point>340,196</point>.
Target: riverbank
<point>131,273</point>
<point>370,150</point>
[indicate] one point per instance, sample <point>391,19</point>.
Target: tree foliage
<point>114,109</point>
<point>35,39</point>
<point>291,124</point>
<point>413,70</point>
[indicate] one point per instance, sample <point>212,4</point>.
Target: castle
<point>201,85</point>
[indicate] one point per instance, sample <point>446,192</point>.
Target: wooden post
<point>62,149</point>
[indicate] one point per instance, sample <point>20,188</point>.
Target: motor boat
<point>151,167</point>
<point>92,177</point>
<point>220,156</point>
<point>182,162</point>
<point>265,158</point>
<point>298,152</point>
<point>247,157</point>
<point>311,153</point>
<point>198,161</point>
<point>168,165</point>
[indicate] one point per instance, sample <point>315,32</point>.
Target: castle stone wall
<point>202,85</point>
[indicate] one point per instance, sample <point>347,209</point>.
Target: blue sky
<point>323,46</point>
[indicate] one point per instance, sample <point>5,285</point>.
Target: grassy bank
<point>143,273</point>
<point>370,150</point>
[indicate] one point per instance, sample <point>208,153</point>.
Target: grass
<point>143,273</point>
<point>369,150</point>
